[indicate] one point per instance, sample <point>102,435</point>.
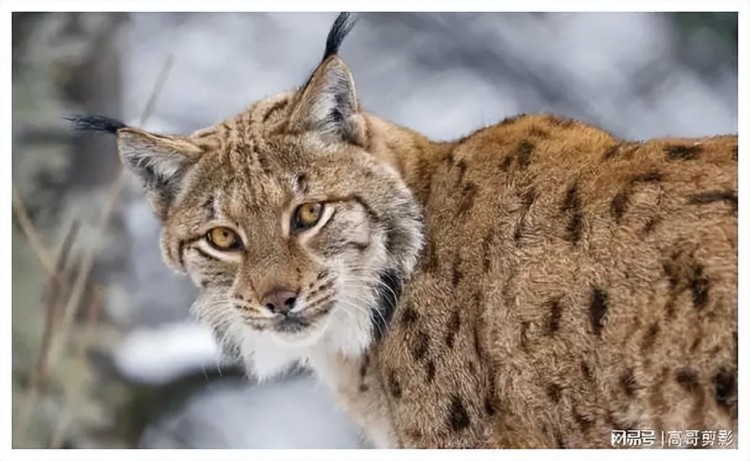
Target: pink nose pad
<point>279,300</point>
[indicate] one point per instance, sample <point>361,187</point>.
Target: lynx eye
<point>223,239</point>
<point>306,216</point>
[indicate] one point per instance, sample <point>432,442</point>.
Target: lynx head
<point>297,234</point>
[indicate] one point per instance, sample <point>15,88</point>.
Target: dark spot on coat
<point>725,389</point>
<point>468,194</point>
<point>574,227</point>
<point>699,286</point>
<point>571,201</point>
<point>672,271</point>
<point>489,406</point>
<point>528,198</point>
<point>524,335</point>
<point>393,385</point>
<point>506,163</point>
<point>424,173</point>
<point>456,274</point>
<point>523,154</point>
<point>489,400</point>
<point>704,198</point>
<point>410,316</point>
<point>263,163</point>
<point>458,417</point>
<point>688,379</point>
<point>586,371</point>
<point>432,262</point>
<point>619,204</point>
<point>454,324</point>
<point>694,345</point>
<point>487,245</point>
<point>181,253</point>
<point>461,169</point>
<point>649,338</point>
<point>649,176</point>
<point>572,205</point>
<point>430,368</point>
<point>478,347</point>
<point>651,224</point>
<point>682,152</point>
<point>598,309</point>
<point>554,316</point>
<point>420,345</point>
<point>553,392</point>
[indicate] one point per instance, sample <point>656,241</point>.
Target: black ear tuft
<point>95,123</point>
<point>339,30</point>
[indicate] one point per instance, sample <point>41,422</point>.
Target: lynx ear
<point>328,105</point>
<point>159,161</point>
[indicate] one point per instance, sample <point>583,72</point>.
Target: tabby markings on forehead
<point>210,206</point>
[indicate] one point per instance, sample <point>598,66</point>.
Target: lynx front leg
<point>355,383</point>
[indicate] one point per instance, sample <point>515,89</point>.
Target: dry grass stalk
<point>92,315</point>
<point>57,333</point>
<point>58,288</point>
<point>31,234</point>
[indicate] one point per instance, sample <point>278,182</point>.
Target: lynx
<point>537,283</point>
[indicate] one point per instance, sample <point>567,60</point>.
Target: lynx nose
<point>279,300</point>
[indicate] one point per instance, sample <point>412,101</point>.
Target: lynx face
<point>289,237</point>
<point>296,227</point>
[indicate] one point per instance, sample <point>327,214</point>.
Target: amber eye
<point>306,216</point>
<point>223,239</point>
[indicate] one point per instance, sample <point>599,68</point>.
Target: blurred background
<point>104,351</point>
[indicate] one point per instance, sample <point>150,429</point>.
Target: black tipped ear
<point>95,123</point>
<point>339,30</point>
<point>328,105</point>
<point>159,161</point>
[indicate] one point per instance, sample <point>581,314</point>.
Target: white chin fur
<point>267,354</point>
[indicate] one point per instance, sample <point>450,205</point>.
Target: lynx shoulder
<point>572,284</point>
